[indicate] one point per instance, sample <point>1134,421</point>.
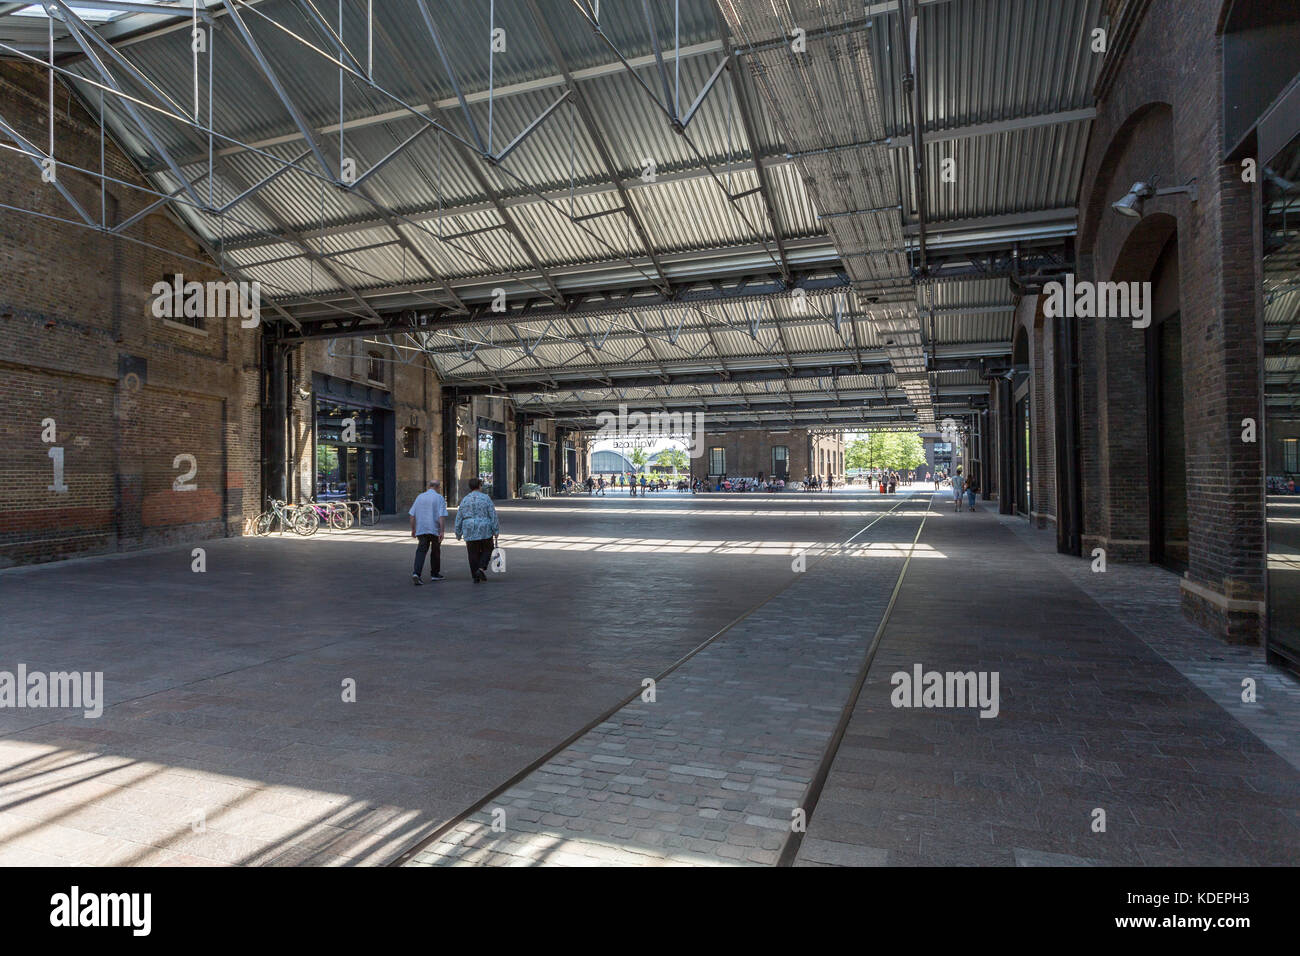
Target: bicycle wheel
<point>369,514</point>
<point>340,519</point>
<point>262,523</point>
<point>305,521</point>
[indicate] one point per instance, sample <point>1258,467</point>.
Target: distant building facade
<point>790,454</point>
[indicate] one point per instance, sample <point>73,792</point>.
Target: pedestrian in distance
<point>428,512</point>
<point>957,489</point>
<point>476,523</point>
<point>972,488</point>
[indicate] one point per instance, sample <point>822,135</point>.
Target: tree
<point>893,451</point>
<point>674,459</point>
<point>855,455</point>
<point>911,452</point>
<point>638,458</point>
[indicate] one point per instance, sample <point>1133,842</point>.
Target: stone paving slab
<point>1091,717</point>
<point>710,772</point>
<point>1145,598</point>
<point>223,688</point>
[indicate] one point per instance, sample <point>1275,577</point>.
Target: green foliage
<point>638,457</point>
<point>674,459</point>
<point>895,451</point>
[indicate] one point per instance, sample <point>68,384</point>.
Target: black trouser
<point>480,555</point>
<point>430,545</point>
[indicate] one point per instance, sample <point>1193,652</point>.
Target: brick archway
<point>1148,131</point>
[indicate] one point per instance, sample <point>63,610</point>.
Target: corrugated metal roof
<point>1017,63</point>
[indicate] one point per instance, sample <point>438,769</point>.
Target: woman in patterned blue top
<point>476,523</point>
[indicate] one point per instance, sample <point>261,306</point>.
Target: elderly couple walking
<point>476,522</point>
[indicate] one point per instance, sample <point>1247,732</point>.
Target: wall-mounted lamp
<point>1131,204</point>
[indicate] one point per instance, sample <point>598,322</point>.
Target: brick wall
<point>749,453</point>
<point>128,392</point>
<point>1162,117</point>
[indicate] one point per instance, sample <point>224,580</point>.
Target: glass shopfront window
<point>351,460</point>
<point>486,459</point>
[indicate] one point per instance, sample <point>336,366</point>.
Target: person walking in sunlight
<point>476,523</point>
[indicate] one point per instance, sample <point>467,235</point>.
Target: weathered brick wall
<point>1162,117</point>
<point>749,453</point>
<point>74,306</point>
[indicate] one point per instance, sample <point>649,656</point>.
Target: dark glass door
<point>1166,452</point>
<point>1023,457</point>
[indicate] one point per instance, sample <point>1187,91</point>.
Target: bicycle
<point>337,515</point>
<point>303,521</point>
<point>367,513</point>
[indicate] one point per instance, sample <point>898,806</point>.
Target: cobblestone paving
<point>222,689</point>
<point>710,772</point>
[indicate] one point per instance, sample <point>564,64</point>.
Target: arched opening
<point>1150,255</point>
<point>1021,433</point>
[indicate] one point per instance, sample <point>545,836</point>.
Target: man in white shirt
<point>428,512</point>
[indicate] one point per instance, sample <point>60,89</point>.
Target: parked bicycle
<point>303,521</point>
<point>367,513</point>
<point>333,513</point>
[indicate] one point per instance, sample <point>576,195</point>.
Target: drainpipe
<point>1006,448</point>
<point>909,23</point>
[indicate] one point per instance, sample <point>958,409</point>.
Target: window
<point>780,461</point>
<point>410,442</point>
<point>374,366</point>
<point>1291,455</point>
<point>178,307</point>
<point>717,461</point>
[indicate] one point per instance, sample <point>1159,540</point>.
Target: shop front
<point>354,443</point>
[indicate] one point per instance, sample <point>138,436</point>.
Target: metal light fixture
<point>1131,204</point>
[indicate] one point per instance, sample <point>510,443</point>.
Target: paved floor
<point>1110,703</point>
<point>226,738</point>
<point>224,687</point>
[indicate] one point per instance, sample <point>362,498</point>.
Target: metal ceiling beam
<point>579,303</point>
<point>1067,215</point>
<point>624,181</point>
<point>76,27</point>
<point>471,166</point>
<point>236,178</point>
<point>597,138</point>
<point>849,401</point>
<point>359,188</point>
<point>273,78</point>
<point>751,137</point>
<point>291,235</point>
<point>782,323</point>
<point>817,366</point>
<point>909,19</point>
